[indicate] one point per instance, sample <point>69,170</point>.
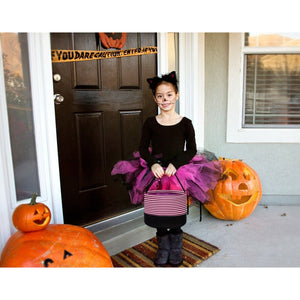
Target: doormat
<point>142,255</point>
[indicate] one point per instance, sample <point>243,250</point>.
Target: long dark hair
<point>156,81</point>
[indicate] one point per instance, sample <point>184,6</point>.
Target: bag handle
<point>154,178</point>
<point>179,182</point>
<point>149,185</point>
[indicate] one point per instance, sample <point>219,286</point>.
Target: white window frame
<point>235,132</point>
<point>39,50</point>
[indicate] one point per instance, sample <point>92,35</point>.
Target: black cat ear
<point>172,75</point>
<point>151,83</point>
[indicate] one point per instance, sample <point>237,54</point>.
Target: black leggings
<point>164,231</point>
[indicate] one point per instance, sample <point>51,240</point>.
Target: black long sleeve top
<point>170,143</point>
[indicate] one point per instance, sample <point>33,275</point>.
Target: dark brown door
<point>98,123</point>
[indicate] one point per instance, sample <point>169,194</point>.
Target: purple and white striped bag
<point>165,202</point>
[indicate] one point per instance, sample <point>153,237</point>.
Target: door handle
<point>58,98</point>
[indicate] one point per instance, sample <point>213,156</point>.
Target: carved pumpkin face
<point>31,217</point>
<point>113,39</point>
<point>237,193</point>
<point>58,245</point>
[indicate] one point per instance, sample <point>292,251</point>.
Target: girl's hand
<point>171,170</point>
<point>157,170</point>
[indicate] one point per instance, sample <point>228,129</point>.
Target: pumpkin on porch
<point>237,193</point>
<point>31,217</point>
<point>58,245</point>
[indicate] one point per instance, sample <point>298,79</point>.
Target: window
<point>19,109</point>
<point>271,89</point>
<point>264,88</point>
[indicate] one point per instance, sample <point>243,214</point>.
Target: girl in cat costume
<point>173,151</point>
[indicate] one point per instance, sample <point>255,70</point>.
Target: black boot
<point>175,257</point>
<point>162,254</point>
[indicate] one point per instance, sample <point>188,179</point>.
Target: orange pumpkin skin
<point>31,217</point>
<point>238,192</point>
<point>58,245</point>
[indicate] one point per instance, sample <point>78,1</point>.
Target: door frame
<point>44,119</point>
<point>192,81</point>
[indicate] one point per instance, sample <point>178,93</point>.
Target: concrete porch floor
<point>269,237</point>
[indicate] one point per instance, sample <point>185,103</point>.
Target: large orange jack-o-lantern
<point>58,245</point>
<point>237,193</point>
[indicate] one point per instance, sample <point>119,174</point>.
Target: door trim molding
<point>192,81</point>
<point>162,53</point>
<point>44,119</point>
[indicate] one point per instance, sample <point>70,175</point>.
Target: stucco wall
<point>278,165</point>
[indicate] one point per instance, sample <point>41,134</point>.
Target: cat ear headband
<point>171,77</point>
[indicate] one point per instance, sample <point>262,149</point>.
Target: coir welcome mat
<point>142,255</point>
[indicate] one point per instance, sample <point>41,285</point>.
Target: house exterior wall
<point>275,163</point>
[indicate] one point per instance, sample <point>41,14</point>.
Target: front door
<point>99,123</point>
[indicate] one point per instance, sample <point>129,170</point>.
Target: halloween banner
<point>82,55</point>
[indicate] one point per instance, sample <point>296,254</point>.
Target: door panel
<point>99,123</point>
<point>129,121</point>
<point>90,137</point>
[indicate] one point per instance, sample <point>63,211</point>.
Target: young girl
<point>173,151</point>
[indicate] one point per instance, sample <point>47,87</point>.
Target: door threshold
<point>115,220</point>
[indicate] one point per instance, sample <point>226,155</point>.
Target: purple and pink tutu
<point>197,177</point>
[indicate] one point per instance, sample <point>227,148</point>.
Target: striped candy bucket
<point>165,202</point>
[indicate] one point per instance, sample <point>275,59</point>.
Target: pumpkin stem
<point>33,199</point>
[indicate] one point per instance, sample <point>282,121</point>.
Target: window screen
<point>272,81</point>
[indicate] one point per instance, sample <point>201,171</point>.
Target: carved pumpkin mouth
<point>40,221</point>
<point>238,201</point>
<point>42,218</point>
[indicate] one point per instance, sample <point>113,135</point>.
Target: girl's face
<point>166,96</point>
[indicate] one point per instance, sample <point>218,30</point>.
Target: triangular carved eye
<point>231,173</point>
<point>246,175</point>
<point>66,254</point>
<point>36,212</point>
